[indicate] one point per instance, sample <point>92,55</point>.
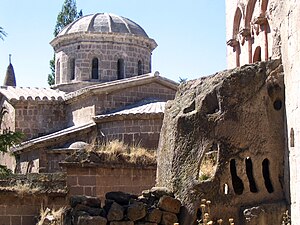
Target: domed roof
<point>104,22</point>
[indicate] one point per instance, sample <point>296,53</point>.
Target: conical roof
<point>10,79</point>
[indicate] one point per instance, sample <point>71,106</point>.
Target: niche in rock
<point>237,182</point>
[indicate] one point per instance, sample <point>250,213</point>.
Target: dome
<point>104,23</point>
<point>78,145</point>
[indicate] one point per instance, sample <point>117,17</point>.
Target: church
<point>104,90</point>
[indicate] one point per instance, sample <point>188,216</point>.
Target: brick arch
<point>249,12</point>
<point>237,22</point>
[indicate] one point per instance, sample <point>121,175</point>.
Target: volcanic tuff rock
<point>238,116</point>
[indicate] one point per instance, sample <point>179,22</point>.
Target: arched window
<point>72,69</point>
<point>257,54</point>
<point>140,67</point>
<point>95,68</point>
<point>57,70</point>
<point>121,69</point>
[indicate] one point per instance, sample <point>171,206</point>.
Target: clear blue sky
<point>190,35</point>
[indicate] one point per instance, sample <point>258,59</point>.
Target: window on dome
<point>121,69</point>
<point>95,68</point>
<point>72,67</point>
<point>57,69</point>
<point>140,67</point>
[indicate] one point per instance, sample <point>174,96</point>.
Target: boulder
<point>168,218</point>
<point>136,211</point>
<point>169,204</point>
<point>154,216</point>
<point>115,213</point>
<point>91,220</point>
<point>85,200</point>
<point>90,210</point>
<point>158,192</point>
<point>120,197</point>
<point>122,223</point>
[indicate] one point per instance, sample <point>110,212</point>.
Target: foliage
<point>67,15</point>
<point>2,33</point>
<point>51,76</point>
<point>182,80</point>
<point>9,139</point>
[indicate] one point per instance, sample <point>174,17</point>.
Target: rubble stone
<point>136,211</point>
<point>169,204</point>
<point>115,213</point>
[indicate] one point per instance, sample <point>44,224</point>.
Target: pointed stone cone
<point>10,79</point>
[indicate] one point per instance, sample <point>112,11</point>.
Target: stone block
<point>168,218</point>
<point>91,220</point>
<point>169,204</point>
<point>120,197</point>
<point>122,223</point>
<point>91,211</point>
<point>115,213</point>
<point>85,200</point>
<point>154,216</point>
<point>136,211</point>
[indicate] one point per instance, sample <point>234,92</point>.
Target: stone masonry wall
<point>18,210</point>
<point>117,99</point>
<point>22,197</point>
<point>34,118</point>
<point>143,132</point>
<point>96,181</point>
<point>107,53</point>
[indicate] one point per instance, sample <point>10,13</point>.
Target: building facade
<point>258,30</point>
<point>104,90</point>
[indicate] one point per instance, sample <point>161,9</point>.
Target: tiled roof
<point>104,22</point>
<point>52,136</point>
<point>110,86</point>
<point>27,93</point>
<point>142,108</point>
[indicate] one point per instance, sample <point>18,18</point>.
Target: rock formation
<point>235,118</point>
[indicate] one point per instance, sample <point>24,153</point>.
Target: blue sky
<point>190,35</point>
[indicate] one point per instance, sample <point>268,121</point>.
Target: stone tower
<point>267,29</point>
<point>99,48</point>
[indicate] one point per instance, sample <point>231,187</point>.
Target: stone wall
<point>143,132</point>
<point>96,181</point>
<point>35,118</point>
<point>22,197</point>
<point>102,103</point>
<point>108,53</point>
<point>250,32</point>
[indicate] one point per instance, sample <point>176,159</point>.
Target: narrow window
<point>292,138</point>
<point>95,68</point>
<point>72,69</point>
<point>249,172</point>
<point>237,183</point>
<point>121,69</point>
<point>57,71</point>
<point>266,175</point>
<point>140,67</point>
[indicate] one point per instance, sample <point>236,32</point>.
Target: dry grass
<point>22,189</point>
<point>53,217</point>
<point>116,150</point>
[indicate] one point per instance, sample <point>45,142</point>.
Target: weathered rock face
<point>237,116</point>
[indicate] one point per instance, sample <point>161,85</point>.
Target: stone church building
<point>104,90</point>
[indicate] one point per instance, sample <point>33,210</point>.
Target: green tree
<point>2,33</point>
<point>8,140</point>
<point>66,16</point>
